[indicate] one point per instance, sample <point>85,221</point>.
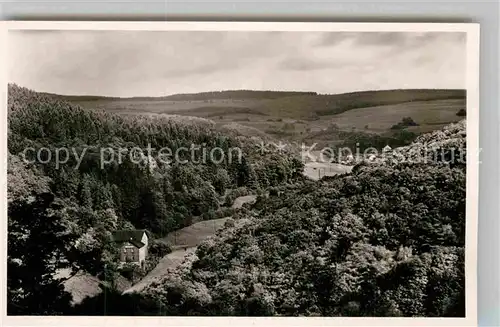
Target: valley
<point>271,234</point>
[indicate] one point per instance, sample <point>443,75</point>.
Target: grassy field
<point>193,235</point>
<point>317,170</point>
<point>184,243</point>
<point>196,233</point>
<point>179,257</point>
<point>435,113</point>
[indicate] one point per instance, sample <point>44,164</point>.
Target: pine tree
<point>85,193</point>
<point>103,198</point>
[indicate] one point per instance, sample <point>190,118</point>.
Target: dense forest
<point>75,205</point>
<point>386,240</point>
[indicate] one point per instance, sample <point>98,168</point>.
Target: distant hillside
<point>236,94</point>
<point>297,105</point>
<point>297,116</point>
<point>314,106</point>
<point>72,98</point>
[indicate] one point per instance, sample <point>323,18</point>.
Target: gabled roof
<point>132,236</point>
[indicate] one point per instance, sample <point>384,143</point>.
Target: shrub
<point>405,122</point>
<point>408,121</point>
<point>229,223</point>
<point>159,249</point>
<point>132,271</point>
<point>397,126</point>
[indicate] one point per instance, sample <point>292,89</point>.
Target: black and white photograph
<point>242,170</point>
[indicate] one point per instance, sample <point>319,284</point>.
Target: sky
<point>148,63</point>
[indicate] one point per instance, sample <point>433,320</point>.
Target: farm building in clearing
<point>132,244</point>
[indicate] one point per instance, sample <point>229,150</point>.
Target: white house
<point>133,245</point>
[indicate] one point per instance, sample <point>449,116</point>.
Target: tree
<point>103,198</point>
<point>23,180</point>
<point>405,122</point>
<point>462,113</point>
<point>85,192</point>
<point>221,181</point>
<point>408,121</point>
<point>37,243</point>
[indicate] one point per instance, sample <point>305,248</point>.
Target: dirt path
<point>167,264</point>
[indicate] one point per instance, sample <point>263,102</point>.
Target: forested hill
<point>214,95</point>
<point>62,213</point>
<point>386,240</point>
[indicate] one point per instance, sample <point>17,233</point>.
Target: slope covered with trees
<point>386,240</point>
<point>65,211</point>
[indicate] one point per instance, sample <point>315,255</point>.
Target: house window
<point>128,253</point>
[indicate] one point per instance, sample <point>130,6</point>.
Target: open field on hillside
<point>315,106</point>
<point>317,170</point>
<point>436,113</point>
<point>239,202</point>
<point>194,234</point>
